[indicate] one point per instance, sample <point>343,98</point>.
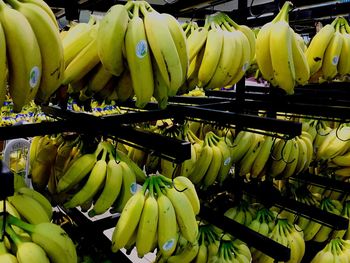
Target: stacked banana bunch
<point>212,161</point>
<point>279,55</point>
<point>31,52</point>
<point>243,213</point>
<point>263,223</point>
<point>231,251</point>
<point>156,214</point>
<point>328,52</point>
<point>101,179</point>
<point>29,205</point>
<point>41,243</point>
<point>287,235</point>
<point>219,53</point>
<point>337,250</point>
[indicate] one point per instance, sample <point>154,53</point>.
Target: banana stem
<point>145,186</point>
<point>136,9</point>
<point>3,249</point>
<point>232,23</point>
<point>156,186</point>
<point>283,14</point>
<point>14,3</point>
<point>14,237</point>
<point>151,186</point>
<point>12,220</point>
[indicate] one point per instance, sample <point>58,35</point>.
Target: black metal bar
<point>267,124</point>
<point>252,238</point>
<point>325,182</point>
<point>313,213</point>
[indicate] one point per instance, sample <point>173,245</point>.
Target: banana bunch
<point>155,214</point>
<point>231,251</point>
<point>98,181</point>
<point>336,143</point>
<point>328,51</point>
<point>28,205</point>
<point>243,213</point>
<point>263,223</point>
<point>219,53</point>
<point>290,157</point>
<point>31,52</point>
<point>213,160</point>
<point>345,213</point>
<point>279,56</point>
<point>287,235</point>
<point>336,250</point>
<point>43,242</point>
<point>331,206</point>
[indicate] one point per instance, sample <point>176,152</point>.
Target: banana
<point>187,255</point>
<point>95,181</point>
<point>227,160</point>
<point>38,197</point>
<point>182,183</point>
<point>342,160</point>
<point>77,39</point>
<point>302,156</point>
<point>192,74</point>
<point>211,57</point>
<point>282,56</point>
<point>215,164</point>
<point>302,70</point>
<point>140,175</point>
<point>124,86</point>
<point>228,58</point>
<point>196,41</point>
<point>264,154</point>
<point>111,189</point>
<point>3,67</point>
<point>310,151</point>
<point>51,52</point>
<point>184,214</point>
<point>245,59</point>
<point>163,49</point>
<point>331,56</point>
<point>292,162</point>
<point>84,61</point>
<point>110,39</point>
<point>147,228</point>
<point>179,38</point>
<point>167,225</point>
<point>344,63</point>
<point>76,172</point>
<point>128,220</point>
<point>139,59</point>
<point>98,78</point>
<point>187,166</point>
<point>160,87</point>
<point>52,238</point>
<point>251,155</point>
<point>202,164</point>
<point>26,252</point>
<point>30,209</point>
<point>316,51</point>
<point>24,58</point>
<point>280,157</point>
<point>241,145</point>
<point>202,256</point>
<point>128,189</point>
<point>334,144</point>
<point>43,5</point>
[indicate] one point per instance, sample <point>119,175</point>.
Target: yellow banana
<point>187,255</point>
<point>160,87</point>
<point>215,164</point>
<point>318,45</point>
<point>344,63</point>
<point>139,59</point>
<point>3,67</point>
<point>331,56</point>
<point>110,39</point>
<point>24,58</point>
<point>302,70</point>
<point>196,41</point>
<point>183,183</point>
<point>124,86</point>
<point>128,220</point>
<point>98,78</point>
<point>263,156</point>
<point>111,189</point>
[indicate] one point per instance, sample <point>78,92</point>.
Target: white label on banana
<point>227,161</point>
<point>141,49</point>
<point>34,77</point>
<point>169,244</point>
<point>335,60</point>
<point>133,188</point>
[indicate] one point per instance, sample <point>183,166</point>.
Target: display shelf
<point>252,238</point>
<point>274,198</point>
